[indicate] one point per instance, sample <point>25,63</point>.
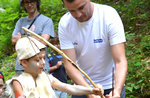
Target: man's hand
<point>114,95</point>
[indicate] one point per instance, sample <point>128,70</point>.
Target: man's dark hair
<point>38,4</point>
<point>68,0</point>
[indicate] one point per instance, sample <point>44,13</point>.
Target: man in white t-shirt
<point>92,35</point>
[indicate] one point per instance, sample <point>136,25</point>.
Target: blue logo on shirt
<point>98,40</point>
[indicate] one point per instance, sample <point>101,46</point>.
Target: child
<point>33,82</point>
<point>2,83</point>
<point>3,93</point>
<point>57,67</point>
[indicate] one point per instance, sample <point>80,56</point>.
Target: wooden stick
<point>61,53</point>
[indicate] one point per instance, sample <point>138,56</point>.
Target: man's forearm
<point>120,77</point>
<point>76,76</point>
<point>73,72</point>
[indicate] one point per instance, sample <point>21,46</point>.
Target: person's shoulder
<point>103,6</point>
<point>41,15</point>
<point>105,10</point>
<point>22,75</point>
<point>66,17</point>
<point>9,89</point>
<point>22,19</point>
<point>45,17</point>
<point>11,81</point>
<point>66,20</point>
<point>108,8</point>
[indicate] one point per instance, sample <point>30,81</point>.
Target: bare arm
<point>118,53</point>
<point>15,38</point>
<point>18,36</point>
<point>75,89</point>
<point>18,91</point>
<point>72,72</point>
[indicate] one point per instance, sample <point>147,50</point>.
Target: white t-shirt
<point>92,40</point>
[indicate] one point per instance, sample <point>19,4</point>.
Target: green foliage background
<point>135,15</point>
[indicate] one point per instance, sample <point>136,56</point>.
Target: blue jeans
<point>60,94</point>
<point>105,92</point>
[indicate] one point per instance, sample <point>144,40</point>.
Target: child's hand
<point>59,63</point>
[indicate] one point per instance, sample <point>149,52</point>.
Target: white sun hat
<point>28,47</point>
